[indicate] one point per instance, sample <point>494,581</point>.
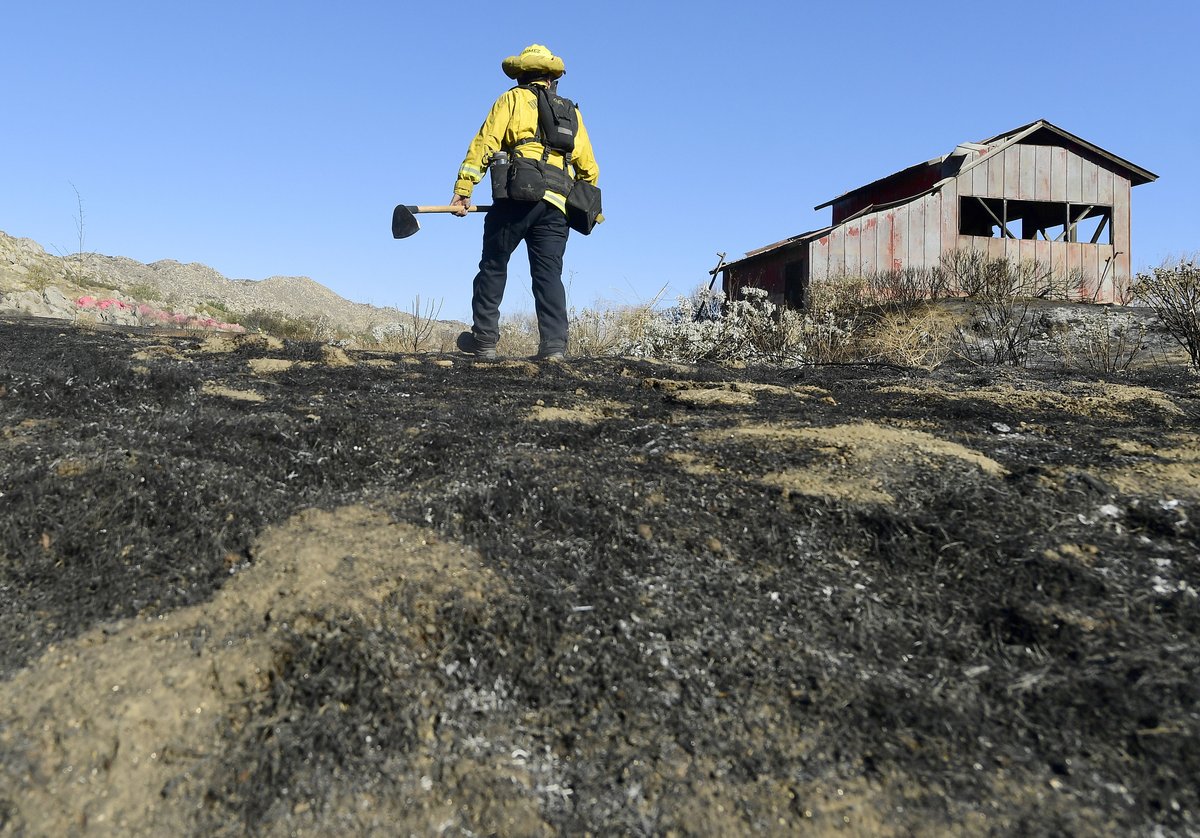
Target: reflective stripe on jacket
<point>514,117</point>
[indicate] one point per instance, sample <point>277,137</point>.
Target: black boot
<point>550,354</point>
<point>466,342</point>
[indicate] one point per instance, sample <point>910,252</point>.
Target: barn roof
<point>968,155</point>
<point>796,239</point>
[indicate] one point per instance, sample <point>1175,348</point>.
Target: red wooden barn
<point>1036,192</point>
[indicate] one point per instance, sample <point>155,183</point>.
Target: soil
<point>255,587</point>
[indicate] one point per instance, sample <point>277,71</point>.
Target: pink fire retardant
<point>150,314</point>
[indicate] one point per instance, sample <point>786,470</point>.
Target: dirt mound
<point>136,711</point>
<point>269,588</point>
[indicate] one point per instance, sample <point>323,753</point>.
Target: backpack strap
<point>557,116</point>
<point>546,114</point>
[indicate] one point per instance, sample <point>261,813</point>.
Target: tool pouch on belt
<point>530,179</point>
<point>526,181</point>
<point>583,206</point>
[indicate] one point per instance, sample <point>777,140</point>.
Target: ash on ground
<point>278,588</point>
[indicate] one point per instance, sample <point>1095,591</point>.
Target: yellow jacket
<point>514,117</point>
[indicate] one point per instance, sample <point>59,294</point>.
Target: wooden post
<point>1003,226</point>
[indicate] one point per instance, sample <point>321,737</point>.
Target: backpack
<point>558,123</point>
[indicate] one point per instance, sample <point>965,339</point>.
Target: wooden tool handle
<point>476,208</point>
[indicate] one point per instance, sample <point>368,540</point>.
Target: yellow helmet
<point>535,58</point>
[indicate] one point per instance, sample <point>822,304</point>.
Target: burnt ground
<point>267,588</point>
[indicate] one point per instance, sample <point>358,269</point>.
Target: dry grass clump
<point>1172,290</point>
<point>986,311</point>
<point>922,337</point>
<point>881,319</point>
<point>599,332</point>
<point>281,325</point>
<point>594,332</point>
<point>518,335</point>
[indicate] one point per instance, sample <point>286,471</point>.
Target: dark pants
<point>544,230</point>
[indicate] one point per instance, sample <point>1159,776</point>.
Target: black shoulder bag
<point>583,206</point>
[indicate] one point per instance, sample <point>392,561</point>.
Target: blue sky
<point>269,138</point>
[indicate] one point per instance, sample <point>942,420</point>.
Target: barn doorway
<point>795,284</point>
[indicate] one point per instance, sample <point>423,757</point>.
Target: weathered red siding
<point>766,273</point>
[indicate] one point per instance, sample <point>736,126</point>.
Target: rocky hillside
<point>37,283</point>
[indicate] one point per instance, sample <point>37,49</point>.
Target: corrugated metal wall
<point>908,235</point>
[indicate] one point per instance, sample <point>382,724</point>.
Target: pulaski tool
<point>404,217</point>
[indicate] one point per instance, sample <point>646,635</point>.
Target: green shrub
<point>142,291</point>
<point>40,278</point>
<point>218,310</point>
<point>284,326</point>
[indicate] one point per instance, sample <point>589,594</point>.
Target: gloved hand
<point>463,204</point>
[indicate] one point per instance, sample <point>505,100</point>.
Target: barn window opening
<point>1093,225</point>
<point>981,217</point>
<point>1052,221</point>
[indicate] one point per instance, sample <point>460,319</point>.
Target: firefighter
<point>515,126</point>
